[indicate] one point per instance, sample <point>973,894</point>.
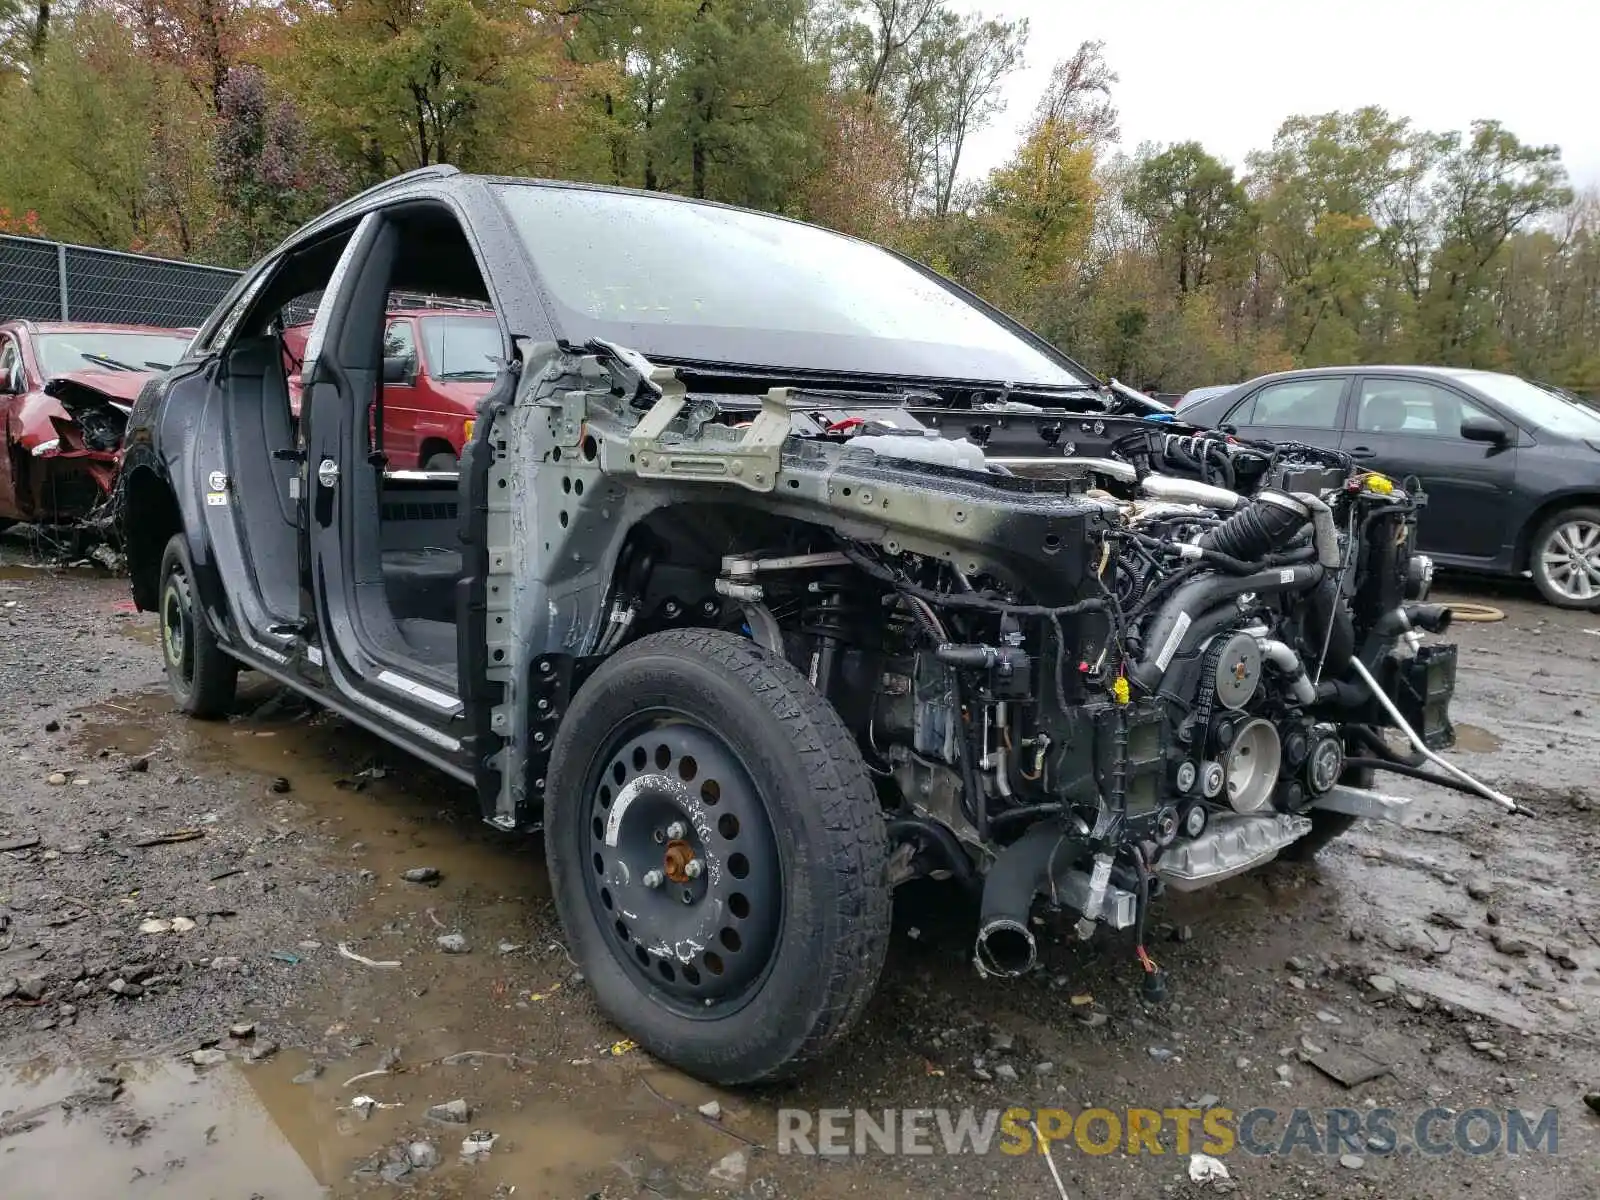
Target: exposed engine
<point>1078,678</point>
<point>96,421</point>
<point>1165,705</point>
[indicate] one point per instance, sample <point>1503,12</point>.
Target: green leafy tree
<point>738,122</point>
<point>1318,188</point>
<point>105,144</point>
<point>1197,214</point>
<point>398,84</point>
<point>1489,185</point>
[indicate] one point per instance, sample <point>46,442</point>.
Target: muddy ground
<point>170,887</point>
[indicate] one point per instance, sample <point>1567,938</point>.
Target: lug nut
<point>675,831</point>
<point>653,879</point>
<point>660,836</point>
<point>688,896</point>
<point>692,868</point>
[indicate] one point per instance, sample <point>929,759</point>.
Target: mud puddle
<point>18,572</point>
<point>142,1129</point>
<point>506,1026</point>
<point>1474,739</point>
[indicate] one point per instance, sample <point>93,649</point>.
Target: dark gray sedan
<point>1512,470</point>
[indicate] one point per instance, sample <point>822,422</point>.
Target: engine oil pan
<point>1231,845</point>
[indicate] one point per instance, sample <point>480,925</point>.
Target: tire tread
<point>856,846</point>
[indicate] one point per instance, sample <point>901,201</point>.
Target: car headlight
<point>466,429</point>
<point>49,447</point>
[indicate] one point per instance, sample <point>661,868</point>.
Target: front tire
<point>699,746</point>
<point>441,460</point>
<point>202,677</point>
<point>1565,559</point>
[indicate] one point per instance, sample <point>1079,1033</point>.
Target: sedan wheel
<point>1566,559</point>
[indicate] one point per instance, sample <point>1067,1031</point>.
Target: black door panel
<point>1413,427</point>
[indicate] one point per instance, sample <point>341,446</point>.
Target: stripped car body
<point>64,426</point>
<point>756,644</point>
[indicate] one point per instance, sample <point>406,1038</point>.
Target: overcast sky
<point>1227,72</point>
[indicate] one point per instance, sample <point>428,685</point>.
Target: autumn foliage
<point>209,129</point>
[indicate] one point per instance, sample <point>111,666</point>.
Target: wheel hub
<point>676,860</point>
<point>685,878</point>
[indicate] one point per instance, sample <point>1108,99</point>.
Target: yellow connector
<point>1381,484</point>
<point>1120,691</point>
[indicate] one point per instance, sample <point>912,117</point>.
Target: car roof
<point>1418,370</point>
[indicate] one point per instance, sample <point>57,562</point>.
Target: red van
<point>437,365</point>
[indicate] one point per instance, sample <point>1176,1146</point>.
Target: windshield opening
<point>1545,409</point>
<point>58,353</point>
<point>692,281</point>
<point>462,347</point>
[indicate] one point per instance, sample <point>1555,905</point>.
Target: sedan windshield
<point>1544,409</point>
<point>90,350</point>
<point>692,281</point>
<point>462,347</point>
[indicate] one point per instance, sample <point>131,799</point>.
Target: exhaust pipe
<point>1005,945</point>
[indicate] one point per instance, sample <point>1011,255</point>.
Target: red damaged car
<point>65,393</point>
<point>437,364</point>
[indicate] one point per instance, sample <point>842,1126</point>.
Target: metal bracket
<point>1359,802</point>
<point>752,462</point>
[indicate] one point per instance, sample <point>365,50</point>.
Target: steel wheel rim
<point>1571,560</point>
<point>703,944</point>
<point>177,623</point>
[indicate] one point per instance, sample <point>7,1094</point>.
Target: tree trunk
<point>697,146</point>
<point>211,47</point>
<point>40,36</point>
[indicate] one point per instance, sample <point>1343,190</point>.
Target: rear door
<point>1408,426</point>
<point>1307,408</point>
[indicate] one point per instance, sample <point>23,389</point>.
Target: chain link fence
<point>58,281</point>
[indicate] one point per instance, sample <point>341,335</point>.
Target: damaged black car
<point>780,571</point>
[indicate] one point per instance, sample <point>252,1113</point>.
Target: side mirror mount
<point>397,368</point>
<point>1476,427</point>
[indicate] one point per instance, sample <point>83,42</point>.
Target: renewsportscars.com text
<point>1180,1131</point>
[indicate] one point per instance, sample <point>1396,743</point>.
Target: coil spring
<point>838,616</point>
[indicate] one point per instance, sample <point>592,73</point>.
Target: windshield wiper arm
<point>105,360</point>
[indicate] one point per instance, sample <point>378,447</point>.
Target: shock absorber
<point>839,622</point>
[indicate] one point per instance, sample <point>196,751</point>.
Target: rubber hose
<point>1262,526</point>
<point>1183,619</point>
<point>1383,764</point>
<point>1476,612</point>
